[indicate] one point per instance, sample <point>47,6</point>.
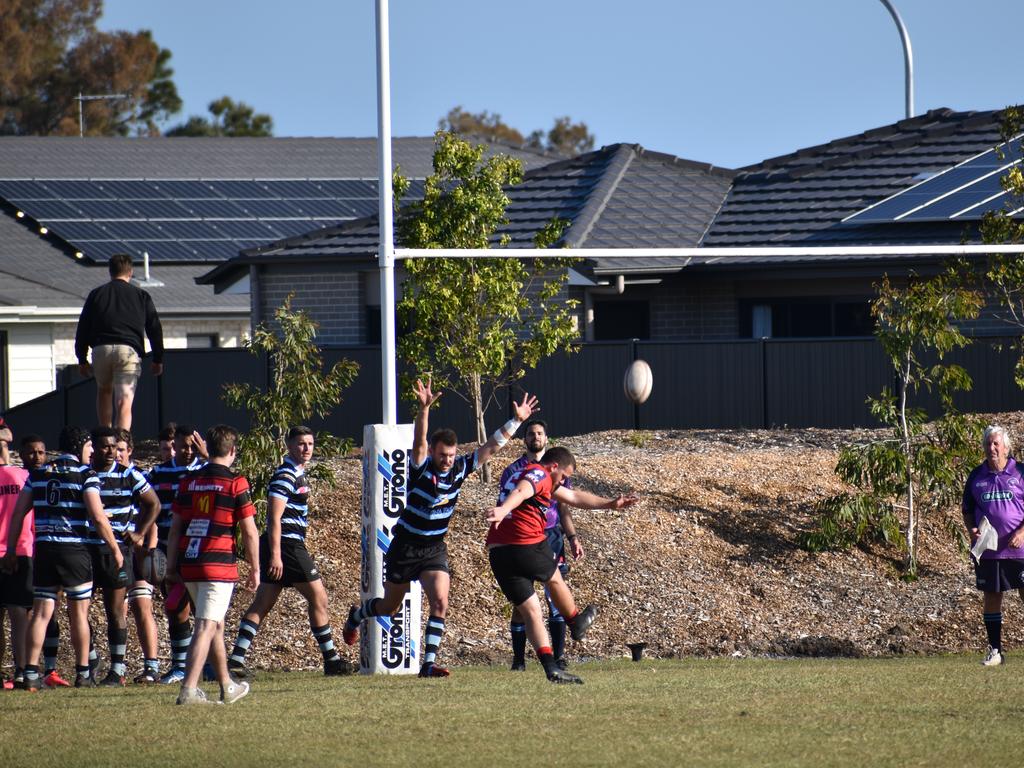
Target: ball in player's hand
<point>638,381</point>
<point>154,566</point>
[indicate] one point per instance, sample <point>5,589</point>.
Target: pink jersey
<point>12,480</point>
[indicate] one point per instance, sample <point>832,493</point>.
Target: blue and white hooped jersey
<point>58,492</point>
<point>289,485</point>
<point>431,497</point>
<point>120,489</point>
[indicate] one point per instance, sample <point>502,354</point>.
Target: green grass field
<point>907,712</point>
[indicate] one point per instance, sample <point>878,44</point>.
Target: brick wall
<point>331,296</point>
<point>693,310</point>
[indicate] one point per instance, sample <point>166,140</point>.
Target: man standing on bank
<point>112,323</point>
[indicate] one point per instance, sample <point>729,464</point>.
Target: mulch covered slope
<point>707,564</point>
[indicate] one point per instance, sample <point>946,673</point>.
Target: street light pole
<point>908,56</point>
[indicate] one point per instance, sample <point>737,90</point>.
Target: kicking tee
<point>524,524</point>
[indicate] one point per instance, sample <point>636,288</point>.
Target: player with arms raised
<point>418,551</point>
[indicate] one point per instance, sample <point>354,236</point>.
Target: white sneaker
<point>234,692</point>
<point>993,659</point>
<point>192,696</point>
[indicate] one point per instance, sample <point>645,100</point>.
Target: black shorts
<point>992,575</point>
<point>61,565</point>
<point>16,588</point>
<point>517,566</point>
<point>104,567</point>
<point>298,565</point>
<point>407,558</point>
<point>556,540</point>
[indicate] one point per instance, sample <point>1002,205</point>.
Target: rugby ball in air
<point>154,566</point>
<point>638,381</point>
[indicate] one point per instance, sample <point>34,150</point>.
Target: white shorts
<point>210,598</point>
<point>116,364</point>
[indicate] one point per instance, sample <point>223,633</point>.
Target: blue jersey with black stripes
<point>289,484</point>
<point>58,499</point>
<point>120,489</point>
<point>431,496</point>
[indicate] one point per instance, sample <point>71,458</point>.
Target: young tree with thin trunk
<point>476,324</point>
<point>895,479</point>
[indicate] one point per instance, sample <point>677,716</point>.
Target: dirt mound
<point>707,564</point>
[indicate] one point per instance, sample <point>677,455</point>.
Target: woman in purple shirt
<point>995,490</point>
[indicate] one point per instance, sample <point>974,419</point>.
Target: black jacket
<point>118,313</point>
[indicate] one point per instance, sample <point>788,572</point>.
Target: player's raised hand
<point>527,407</point>
<point>623,500</point>
<point>425,395</point>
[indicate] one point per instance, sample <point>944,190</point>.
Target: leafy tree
<point>476,324</point>
<point>51,51</point>
<point>229,119</point>
<point>914,468</point>
<point>1005,273</point>
<point>565,136</point>
<point>299,389</point>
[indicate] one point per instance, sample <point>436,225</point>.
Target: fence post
<point>764,383</point>
<point>636,406</point>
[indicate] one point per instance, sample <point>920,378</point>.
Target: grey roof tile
<point>620,195</point>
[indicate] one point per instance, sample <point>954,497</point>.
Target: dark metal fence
<point>728,384</point>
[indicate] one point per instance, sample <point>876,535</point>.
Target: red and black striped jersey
<point>210,503</point>
<point>525,523</point>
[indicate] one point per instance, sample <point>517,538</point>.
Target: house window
<point>372,324</point>
<point>202,341</point>
<point>622,320</point>
<point>805,318</point>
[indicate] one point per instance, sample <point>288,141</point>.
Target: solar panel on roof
<point>322,208</point>
<point>81,232</point>
<point>294,188</point>
<point>44,210</point>
<point>240,189</point>
<point>348,188</point>
<point>215,209</point>
<point>185,189</point>
<point>158,209</point>
<point>270,208</point>
<point>74,189</point>
<point>249,230</point>
<point>130,189</point>
<point>18,189</point>
<point>966,191</point>
<point>292,228</point>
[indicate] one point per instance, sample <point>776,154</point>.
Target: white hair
<point>992,429</point>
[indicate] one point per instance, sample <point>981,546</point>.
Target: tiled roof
<point>41,271</point>
<point>26,157</point>
<point>802,197</point>
<point>619,195</point>
<point>35,273</point>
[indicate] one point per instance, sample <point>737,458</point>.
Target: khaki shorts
<point>116,364</point>
<point>210,598</point>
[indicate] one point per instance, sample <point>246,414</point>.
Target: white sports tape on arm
<point>509,429</point>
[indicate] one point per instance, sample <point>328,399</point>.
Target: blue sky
<point>728,82</point>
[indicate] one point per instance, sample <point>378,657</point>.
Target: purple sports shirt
<point>999,496</point>
<point>505,486</point>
